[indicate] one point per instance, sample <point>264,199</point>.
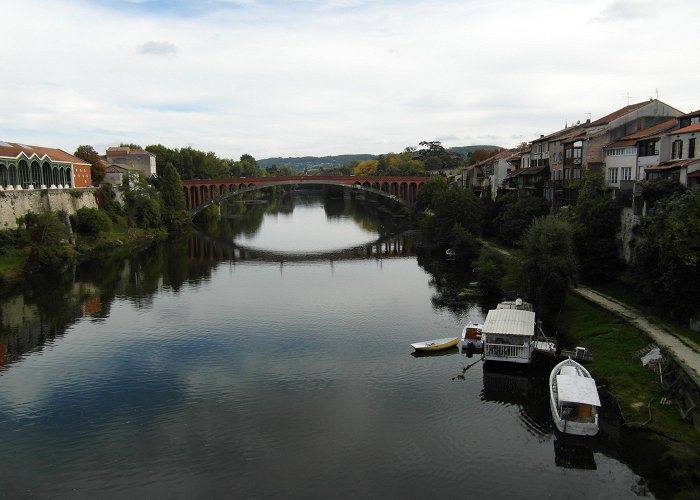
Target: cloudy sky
<point>312,77</point>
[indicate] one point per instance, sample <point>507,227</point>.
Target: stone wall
<point>15,204</point>
<point>628,221</point>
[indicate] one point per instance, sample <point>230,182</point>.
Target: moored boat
<point>471,337</point>
<point>436,344</point>
<point>574,399</point>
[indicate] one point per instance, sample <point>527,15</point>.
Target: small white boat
<point>471,337</point>
<point>436,345</point>
<point>574,399</point>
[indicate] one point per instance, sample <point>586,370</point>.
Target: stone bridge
<point>201,194</point>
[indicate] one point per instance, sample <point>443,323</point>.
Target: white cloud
<point>628,10</point>
<point>158,48</point>
<point>312,78</point>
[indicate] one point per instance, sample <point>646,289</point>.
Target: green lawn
<point>612,342</point>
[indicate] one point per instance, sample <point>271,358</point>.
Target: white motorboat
<point>574,399</point>
<point>471,337</point>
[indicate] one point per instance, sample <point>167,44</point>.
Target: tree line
<point>579,243</point>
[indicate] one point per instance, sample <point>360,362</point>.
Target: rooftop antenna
<point>628,96</point>
<point>657,93</point>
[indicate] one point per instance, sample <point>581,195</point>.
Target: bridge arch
<point>201,194</point>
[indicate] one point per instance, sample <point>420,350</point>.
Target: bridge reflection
<point>203,247</point>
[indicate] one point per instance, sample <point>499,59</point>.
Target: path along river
<point>214,368</point>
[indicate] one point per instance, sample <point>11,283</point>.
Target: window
<point>626,173</point>
<point>619,151</point>
<point>677,149</point>
<point>691,147</point>
<point>612,175</point>
<point>649,148</point>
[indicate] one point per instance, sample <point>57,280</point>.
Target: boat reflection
<point>442,352</point>
<point>570,454</point>
<point>525,388</point>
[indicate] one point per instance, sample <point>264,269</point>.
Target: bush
<point>92,221</point>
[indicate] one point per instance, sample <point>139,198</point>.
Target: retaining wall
<point>15,204</point>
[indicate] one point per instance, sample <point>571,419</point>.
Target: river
<point>269,356</point>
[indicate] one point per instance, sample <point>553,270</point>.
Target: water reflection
<point>524,388</point>
<point>179,379</point>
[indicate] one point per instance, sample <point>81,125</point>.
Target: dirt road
<point>686,353</point>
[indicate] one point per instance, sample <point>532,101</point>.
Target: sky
<point>313,78</point>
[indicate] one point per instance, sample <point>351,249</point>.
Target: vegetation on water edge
<point>637,389</point>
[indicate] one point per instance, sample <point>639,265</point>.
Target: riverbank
<point>13,261</point>
<point>641,398</point>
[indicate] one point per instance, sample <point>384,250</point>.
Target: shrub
<point>92,221</point>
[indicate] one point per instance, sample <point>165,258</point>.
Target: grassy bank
<point>636,389</point>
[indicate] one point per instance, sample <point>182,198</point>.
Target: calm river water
<point>270,357</point>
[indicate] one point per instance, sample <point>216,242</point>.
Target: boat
<point>573,399</point>
<point>436,345</point>
<point>508,332</point>
<point>471,337</point>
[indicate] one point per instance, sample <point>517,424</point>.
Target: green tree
<point>449,217</point>
<point>596,222</point>
<point>143,206</point>
<point>666,263</point>
<point>517,216</point>
<point>97,168</point>
<point>549,264</point>
<point>490,271</point>
<point>173,200</point>
<point>436,157</point>
<point>49,245</point>
<point>246,166</point>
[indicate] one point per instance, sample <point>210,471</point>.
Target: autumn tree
<point>367,167</point>
<point>479,155</point>
<point>97,168</point>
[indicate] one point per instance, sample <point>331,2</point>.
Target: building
<point>131,159</point>
<point>487,176</point>
<point>679,153</point>
<point>34,167</point>
<point>627,159</point>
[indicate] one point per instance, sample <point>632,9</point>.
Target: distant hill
<point>299,164</point>
<point>303,163</point>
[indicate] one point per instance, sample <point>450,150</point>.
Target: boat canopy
<point>510,322</point>
<point>577,389</point>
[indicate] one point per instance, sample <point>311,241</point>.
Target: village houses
<point>640,142</point>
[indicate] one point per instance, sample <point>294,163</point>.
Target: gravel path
<point>687,357</point>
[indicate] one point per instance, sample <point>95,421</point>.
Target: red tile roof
<point>14,150</point>
<point>695,127</point>
<point>646,133</point>
<point>673,165</point>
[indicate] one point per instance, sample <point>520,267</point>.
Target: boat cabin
<point>471,337</point>
<point>509,332</point>
<point>577,395</point>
